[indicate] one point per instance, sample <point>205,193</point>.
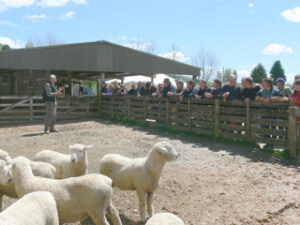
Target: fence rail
<point>17,109</point>
<point>256,122</point>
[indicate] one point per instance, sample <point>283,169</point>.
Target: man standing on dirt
<point>49,96</point>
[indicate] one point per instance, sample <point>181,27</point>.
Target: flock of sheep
<point>56,188</point>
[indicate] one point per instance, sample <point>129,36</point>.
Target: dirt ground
<point>211,183</point>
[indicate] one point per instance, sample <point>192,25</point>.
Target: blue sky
<point>241,33</point>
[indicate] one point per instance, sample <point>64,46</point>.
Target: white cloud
<point>123,38</point>
<point>138,45</point>
<point>36,18</point>
<point>178,55</point>
<point>68,15</point>
<point>276,49</point>
<point>7,23</point>
<point>6,4</point>
<point>13,44</point>
<point>56,3</point>
<point>292,14</point>
<point>251,5</point>
<point>290,78</point>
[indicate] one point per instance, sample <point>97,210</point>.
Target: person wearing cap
<point>150,90</point>
<point>189,92</point>
<point>49,97</point>
<point>168,87</point>
<point>285,91</point>
<point>122,90</point>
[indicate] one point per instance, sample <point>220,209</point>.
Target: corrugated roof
<point>101,56</point>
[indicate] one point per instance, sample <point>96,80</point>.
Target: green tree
<point>277,71</point>
<point>1,47</point>
<point>258,73</point>
<point>29,44</point>
<point>5,47</point>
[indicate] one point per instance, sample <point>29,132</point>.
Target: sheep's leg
<point>150,196</point>
<point>113,214</point>
<point>1,203</point>
<point>99,217</point>
<point>142,205</point>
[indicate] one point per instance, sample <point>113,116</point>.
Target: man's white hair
<point>232,77</point>
<point>52,76</point>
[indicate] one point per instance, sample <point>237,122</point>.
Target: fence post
<point>112,106</point>
<point>168,112</point>
<point>248,122</point>
<point>30,109</point>
<point>217,117</point>
<point>129,108</point>
<point>145,109</point>
<point>292,135</point>
<point>189,114</point>
<point>88,105</point>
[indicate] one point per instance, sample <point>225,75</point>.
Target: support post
<point>195,79</point>
<point>248,122</point>
<point>217,117</point>
<point>122,79</point>
<point>292,135</point>
<point>48,74</point>
<point>152,78</point>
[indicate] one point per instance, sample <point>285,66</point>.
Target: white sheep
<point>140,174</point>
<point>165,219</point>
<point>77,198</point>
<point>37,208</point>
<point>73,165</point>
<point>39,169</point>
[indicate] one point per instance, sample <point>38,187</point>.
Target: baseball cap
<point>280,80</point>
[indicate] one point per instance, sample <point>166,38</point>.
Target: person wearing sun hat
<point>285,91</point>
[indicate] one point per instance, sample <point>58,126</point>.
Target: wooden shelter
<point>24,71</point>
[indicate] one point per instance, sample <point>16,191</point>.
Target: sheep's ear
<point>162,150</point>
<point>88,146</point>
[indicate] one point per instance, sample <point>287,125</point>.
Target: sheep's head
<point>5,157</point>
<point>166,150</point>
<point>5,173</point>
<point>79,152</point>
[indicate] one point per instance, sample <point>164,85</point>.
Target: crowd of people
<point>267,91</point>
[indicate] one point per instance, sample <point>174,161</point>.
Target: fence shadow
<point>253,153</point>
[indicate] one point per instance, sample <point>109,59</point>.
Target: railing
<point>17,109</point>
<point>256,122</point>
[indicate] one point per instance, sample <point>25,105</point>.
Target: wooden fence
<point>20,109</point>
<point>256,122</point>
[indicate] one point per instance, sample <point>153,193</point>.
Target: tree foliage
<point>277,71</point>
<point>258,73</point>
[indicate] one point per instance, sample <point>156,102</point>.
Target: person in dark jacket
<point>141,89</point>
<point>168,87</point>
<point>203,88</point>
<point>150,90</point>
<point>103,89</point>
<point>189,92</point>
<point>231,90</point>
<point>216,90</point>
<point>179,89</point>
<point>49,96</point>
<point>133,91</point>
<point>250,90</point>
